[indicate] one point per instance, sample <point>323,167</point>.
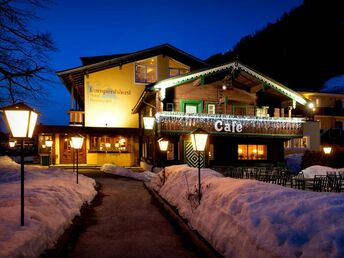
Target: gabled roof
<point>73,78</point>
<point>178,80</point>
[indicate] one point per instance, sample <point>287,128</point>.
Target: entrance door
<point>66,152</point>
<point>190,156</point>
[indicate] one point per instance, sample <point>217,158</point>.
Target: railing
<point>181,123</point>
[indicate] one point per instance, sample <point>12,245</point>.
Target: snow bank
<point>248,218</point>
<point>293,162</point>
<point>121,171</point>
<point>52,200</point>
<point>310,172</point>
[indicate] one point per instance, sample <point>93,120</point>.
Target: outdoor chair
<point>333,183</point>
<point>319,183</point>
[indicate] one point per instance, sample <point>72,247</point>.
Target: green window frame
<point>197,103</point>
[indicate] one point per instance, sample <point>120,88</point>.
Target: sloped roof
<point>178,80</point>
<point>73,78</point>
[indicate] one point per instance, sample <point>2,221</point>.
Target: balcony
<point>76,117</point>
<point>229,125</point>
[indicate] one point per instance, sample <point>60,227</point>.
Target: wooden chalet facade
<point>248,116</point>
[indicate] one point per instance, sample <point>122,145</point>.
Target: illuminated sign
<point>232,126</point>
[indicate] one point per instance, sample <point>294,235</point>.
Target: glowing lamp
<point>108,145</point>
<point>311,105</point>
<point>327,150</point>
<point>163,144</point>
<point>199,139</point>
<point>21,120</point>
<point>49,143</point>
<point>77,141</point>
<point>148,122</point>
<point>12,144</point>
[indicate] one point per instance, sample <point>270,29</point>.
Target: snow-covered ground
<point>121,171</point>
<point>52,200</point>
<point>248,218</point>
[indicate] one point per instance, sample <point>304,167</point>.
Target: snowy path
<point>128,224</point>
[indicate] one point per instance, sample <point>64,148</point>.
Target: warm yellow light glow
<point>327,150</point>
<point>199,139</point>
<point>311,105</point>
<point>224,87</point>
<point>148,122</point>
<point>107,145</point>
<point>49,143</point>
<point>12,143</point>
<point>77,141</point>
<point>254,151</point>
<point>240,151</point>
<point>163,144</point>
<point>21,120</point>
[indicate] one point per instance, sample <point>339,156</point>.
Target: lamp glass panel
<point>18,122</point>
<point>163,145</point>
<point>148,122</point>
<point>32,124</point>
<point>199,141</point>
<point>77,141</point>
<point>327,150</point>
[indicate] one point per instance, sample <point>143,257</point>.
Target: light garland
<point>176,121</point>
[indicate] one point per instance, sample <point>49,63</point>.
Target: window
<point>169,107</point>
<point>146,70</point>
<point>297,143</point>
<point>176,68</point>
<point>109,143</point>
<point>190,109</point>
<point>252,152</point>
<point>211,109</point>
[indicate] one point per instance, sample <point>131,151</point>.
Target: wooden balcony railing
<point>76,117</point>
<point>181,123</point>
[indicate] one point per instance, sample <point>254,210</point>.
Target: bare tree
<point>23,51</point>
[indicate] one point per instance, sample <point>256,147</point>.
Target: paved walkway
<point>127,223</point>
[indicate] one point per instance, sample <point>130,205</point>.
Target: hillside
<point>302,50</point>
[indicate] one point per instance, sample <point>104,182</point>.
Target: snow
<point>52,200</point>
<point>248,218</point>
<point>125,172</point>
<point>310,172</point>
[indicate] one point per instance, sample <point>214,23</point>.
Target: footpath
<point>126,222</point>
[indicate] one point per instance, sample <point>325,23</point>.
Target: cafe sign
<point>231,126</point>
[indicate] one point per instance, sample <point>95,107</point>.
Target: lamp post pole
<point>77,166</point>
<point>22,182</point>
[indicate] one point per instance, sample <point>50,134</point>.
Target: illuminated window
<point>109,143</point>
<point>252,152</point>
<point>176,68</point>
<point>146,70</point>
<point>211,109</point>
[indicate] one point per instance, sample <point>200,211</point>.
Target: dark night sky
<point>199,27</point>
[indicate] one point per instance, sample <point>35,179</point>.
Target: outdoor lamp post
<point>163,145</point>
<point>199,140</point>
<point>49,144</point>
<point>21,120</point>
<point>76,143</point>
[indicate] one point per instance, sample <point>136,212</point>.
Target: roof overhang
<point>175,81</point>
